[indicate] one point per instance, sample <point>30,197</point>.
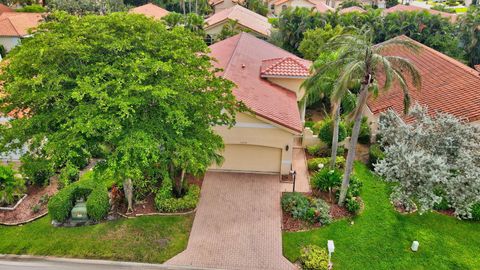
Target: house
<point>448,86</point>
<point>352,9</point>
<point>268,81</point>
<point>278,6</point>
<point>150,10</point>
<point>247,20</point>
<point>15,25</point>
<point>219,5</point>
<point>410,8</point>
<point>336,4</point>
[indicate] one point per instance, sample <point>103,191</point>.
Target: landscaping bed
<point>34,205</point>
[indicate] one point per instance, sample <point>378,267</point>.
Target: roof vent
<point>243,65</point>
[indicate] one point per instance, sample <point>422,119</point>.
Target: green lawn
<point>145,239</point>
<point>381,237</point>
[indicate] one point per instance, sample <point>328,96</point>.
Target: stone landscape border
<point>24,222</point>
<point>16,205</point>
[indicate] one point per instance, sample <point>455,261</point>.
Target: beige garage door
<point>250,158</point>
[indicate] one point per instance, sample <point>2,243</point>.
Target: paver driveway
<point>237,224</point>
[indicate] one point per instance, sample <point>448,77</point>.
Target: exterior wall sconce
<point>287,147</point>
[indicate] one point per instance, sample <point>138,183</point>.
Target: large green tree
<point>362,62</point>
<point>470,35</point>
<point>82,7</point>
<point>120,81</point>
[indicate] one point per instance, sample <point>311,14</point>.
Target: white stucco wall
<point>9,42</point>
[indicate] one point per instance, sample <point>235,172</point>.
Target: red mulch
<point>448,212</point>
<point>336,212</point>
<point>24,211</point>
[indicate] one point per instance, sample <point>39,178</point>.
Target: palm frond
<point>401,64</point>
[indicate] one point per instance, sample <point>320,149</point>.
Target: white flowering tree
<point>428,155</point>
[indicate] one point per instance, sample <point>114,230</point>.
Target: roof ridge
<point>10,22</point>
<point>280,60</point>
<point>445,57</point>
<point>233,54</point>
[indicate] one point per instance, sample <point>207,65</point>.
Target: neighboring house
<point>337,3</point>
<point>448,86</point>
<point>150,10</point>
<point>268,81</point>
<point>277,7</point>
<point>248,21</point>
<point>352,9</point>
<point>15,25</point>
<point>404,8</point>
<point>219,5</point>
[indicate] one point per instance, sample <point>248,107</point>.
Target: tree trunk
<point>179,183</point>
<point>336,124</point>
<point>128,190</point>
<point>353,142</point>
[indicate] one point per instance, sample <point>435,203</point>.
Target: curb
<point>97,263</point>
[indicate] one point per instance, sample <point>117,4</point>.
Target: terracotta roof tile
<point>216,2</point>
<point>284,67</point>
<point>150,10</point>
<point>16,24</point>
<point>447,85</point>
<point>241,59</point>
<point>352,9</point>
<point>320,6</point>
<point>404,8</point>
<point>245,17</point>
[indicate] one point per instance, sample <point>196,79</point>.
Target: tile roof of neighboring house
<point>285,67</point>
<point>448,86</point>
<point>245,17</point>
<point>4,8</point>
<point>216,2</point>
<point>403,8</point>
<point>320,6</point>
<point>241,59</point>
<point>352,9</point>
<point>150,10</point>
<point>16,24</point>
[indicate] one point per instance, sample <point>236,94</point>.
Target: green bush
<point>326,179</point>
<point>32,8</point>
<point>476,211</point>
<point>443,204</point>
<point>291,200</point>
<point>352,205</point>
<point>9,185</point>
<point>321,150</point>
<point>3,51</point>
<point>321,211</point>
<point>60,205</point>
<point>365,131</point>
<point>313,163</point>
<point>355,186</point>
<point>165,202</point>
<point>325,131</point>
<point>37,170</point>
<point>309,124</point>
<point>314,258</point>
<point>68,175</point>
<point>98,204</point>
<point>375,154</point>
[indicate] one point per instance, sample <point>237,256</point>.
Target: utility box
<point>79,211</point>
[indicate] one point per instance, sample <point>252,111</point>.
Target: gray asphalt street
<point>8,262</point>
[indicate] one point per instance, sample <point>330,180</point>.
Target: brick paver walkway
<point>237,224</point>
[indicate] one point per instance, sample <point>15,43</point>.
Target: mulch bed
<point>24,211</point>
<point>291,224</point>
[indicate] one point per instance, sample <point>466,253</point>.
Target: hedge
<point>98,204</point>
<point>375,154</point>
<point>60,205</point>
<point>325,131</point>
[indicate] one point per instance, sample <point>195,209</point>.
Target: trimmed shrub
<point>314,258</point>
<point>165,202</point>
<point>352,205</point>
<point>375,154</point>
<point>321,150</point>
<point>291,200</point>
<point>60,205</point>
<point>37,170</point>
<point>476,212</point>
<point>32,8</point>
<point>98,204</point>
<point>314,162</point>
<point>326,179</point>
<point>9,185</point>
<point>68,175</point>
<point>309,124</point>
<point>325,131</point>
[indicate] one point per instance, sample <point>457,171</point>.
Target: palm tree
<point>362,61</point>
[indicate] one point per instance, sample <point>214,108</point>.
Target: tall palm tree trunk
<point>353,141</point>
<point>336,124</point>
